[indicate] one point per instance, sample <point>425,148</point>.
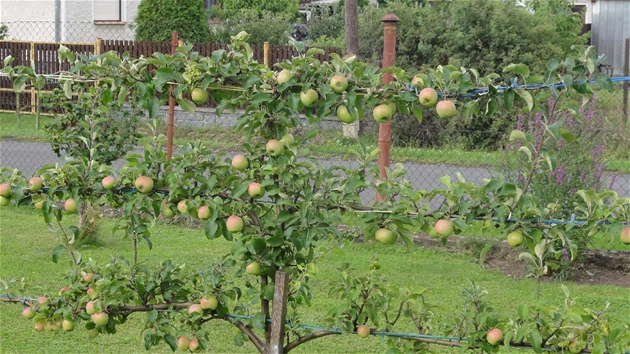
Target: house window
<point>209,3</point>
<point>107,10</point>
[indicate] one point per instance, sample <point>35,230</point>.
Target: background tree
<point>3,31</point>
<point>157,19</point>
<point>229,8</point>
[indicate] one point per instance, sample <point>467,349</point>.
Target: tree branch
<point>310,337</point>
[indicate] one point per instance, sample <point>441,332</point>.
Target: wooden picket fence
<point>43,57</point>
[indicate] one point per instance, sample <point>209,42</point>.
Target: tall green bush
<point>157,19</point>
<point>229,8</point>
<point>274,28</point>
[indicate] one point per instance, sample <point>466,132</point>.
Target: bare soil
<point>598,268</point>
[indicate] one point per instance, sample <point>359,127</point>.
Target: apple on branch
<point>35,184</point>
<point>446,109</point>
<point>338,83</point>
<point>428,97</point>
<point>144,184</point>
<point>382,113</point>
<point>309,98</point>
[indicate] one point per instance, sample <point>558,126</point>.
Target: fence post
<point>279,314</point>
<point>384,130</point>
<point>171,105</point>
<point>266,54</point>
<point>33,93</point>
<point>626,73</point>
<point>98,46</point>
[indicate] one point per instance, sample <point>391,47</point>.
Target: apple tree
<point>276,203</point>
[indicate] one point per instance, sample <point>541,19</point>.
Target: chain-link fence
<point>431,150</point>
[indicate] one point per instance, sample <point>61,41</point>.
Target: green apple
<point>35,184</point>
<point>274,148</point>
<point>386,236</point>
<point>108,183</point>
<point>92,333</point>
<point>338,83</point>
<point>255,190</point>
<point>363,331</point>
<point>287,140</point>
<point>624,236</point>
<point>88,277</point>
<point>42,300</point>
<point>168,212</point>
<point>194,345</point>
<point>38,326</point>
<point>195,308</point>
<point>494,336</point>
<point>29,312</point>
<point>444,228</point>
<point>67,325</point>
<point>344,115</point>
<point>284,76</point>
<point>240,163</point>
<point>515,238</point>
<point>309,98</point>
<point>182,206</point>
<point>204,212</point>
<point>253,268</point>
<point>382,113</point>
<point>5,190</point>
<point>91,307</point>
<point>209,302</point>
<point>183,342</point>
<point>4,201</point>
<point>234,223</point>
<point>100,318</point>
<point>446,109</point>
<point>428,97</point>
<point>70,205</point>
<point>144,184</point>
<point>199,96</point>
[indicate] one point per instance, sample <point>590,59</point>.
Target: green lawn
<point>25,252</point>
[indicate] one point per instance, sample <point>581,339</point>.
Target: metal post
<point>626,73</point>
<point>171,106</point>
<point>389,58</point>
<point>279,315</point>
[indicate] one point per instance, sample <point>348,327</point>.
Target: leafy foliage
<point>157,19</point>
<point>265,26</point>
<point>302,202</point>
<point>230,8</point>
<point>3,31</point>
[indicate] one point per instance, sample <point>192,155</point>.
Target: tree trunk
<point>352,48</point>
<point>352,27</point>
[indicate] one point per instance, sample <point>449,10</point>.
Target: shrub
<point>3,31</point>
<point>274,28</point>
<point>230,8</point>
<point>157,19</point>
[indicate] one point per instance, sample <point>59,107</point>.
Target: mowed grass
<point>26,246</point>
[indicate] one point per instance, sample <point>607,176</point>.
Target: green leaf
<point>67,89</point>
<point>520,69</point>
<point>517,135</point>
<point>57,253</point>
<point>417,111</point>
<point>527,97</point>
<point>508,98</point>
<point>188,105</point>
<point>19,84</point>
<point>170,340</point>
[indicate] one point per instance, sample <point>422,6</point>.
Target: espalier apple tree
<point>276,203</point>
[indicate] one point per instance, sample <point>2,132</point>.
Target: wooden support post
<point>385,129</point>
<point>171,105</point>
<point>266,54</point>
<point>33,91</point>
<point>279,313</point>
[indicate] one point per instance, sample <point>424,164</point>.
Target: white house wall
<point>34,20</point>
<point>610,28</point>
